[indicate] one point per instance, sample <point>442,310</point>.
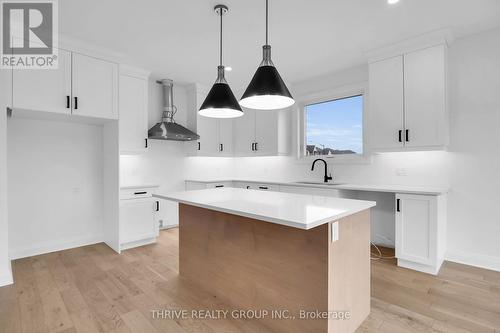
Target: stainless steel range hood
<point>167,129</point>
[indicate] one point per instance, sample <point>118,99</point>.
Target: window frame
<point>327,96</point>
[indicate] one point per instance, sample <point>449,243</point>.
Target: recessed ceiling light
<point>228,68</point>
<point>392,2</point>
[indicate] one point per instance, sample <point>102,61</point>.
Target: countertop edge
<point>302,226</point>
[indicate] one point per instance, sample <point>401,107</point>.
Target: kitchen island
<point>301,262</point>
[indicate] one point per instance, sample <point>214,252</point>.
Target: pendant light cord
<point>267,20</point>
<point>220,57</point>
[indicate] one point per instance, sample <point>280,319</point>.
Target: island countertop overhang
<point>288,209</point>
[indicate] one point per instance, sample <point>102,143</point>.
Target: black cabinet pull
<point>146,143</point>
<point>253,149</point>
<point>256,148</point>
<point>76,102</point>
<point>407,135</point>
<point>68,102</point>
<point>248,187</point>
<point>400,135</point>
<point>157,206</point>
<point>136,193</point>
<point>199,145</point>
<point>398,208</point>
<point>219,186</point>
<point>221,147</point>
<point>263,188</point>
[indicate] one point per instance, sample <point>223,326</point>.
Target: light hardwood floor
<point>92,289</point>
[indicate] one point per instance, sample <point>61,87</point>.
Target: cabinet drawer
<point>219,184</point>
<point>135,193</point>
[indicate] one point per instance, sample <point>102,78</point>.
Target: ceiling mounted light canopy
<point>267,91</point>
<point>220,101</point>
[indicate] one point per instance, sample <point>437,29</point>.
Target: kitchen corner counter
<point>293,210</point>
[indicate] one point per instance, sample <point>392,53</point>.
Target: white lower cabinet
<point>138,221</point>
<point>257,186</point>
<point>194,185</point>
<point>420,227</point>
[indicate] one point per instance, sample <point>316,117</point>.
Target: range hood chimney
<point>168,129</point>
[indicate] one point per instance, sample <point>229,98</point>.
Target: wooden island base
<point>256,265</point>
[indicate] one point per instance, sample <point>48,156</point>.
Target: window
<point>334,127</point>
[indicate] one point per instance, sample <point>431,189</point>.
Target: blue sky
<point>336,124</point>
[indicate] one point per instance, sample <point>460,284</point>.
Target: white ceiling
<point>178,39</point>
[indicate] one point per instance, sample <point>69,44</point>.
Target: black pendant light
<point>220,101</point>
<point>267,91</point>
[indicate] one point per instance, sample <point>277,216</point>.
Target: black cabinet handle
<point>248,187</point>
<point>76,102</point>
<point>400,134</point>
<point>219,186</point>
<point>157,206</point>
<point>199,145</point>
<point>398,208</point>
<point>146,143</point>
<point>407,135</point>
<point>253,149</point>
<point>68,102</point>
<point>136,193</point>
<point>263,188</point>
<point>221,147</point>
<point>256,148</point>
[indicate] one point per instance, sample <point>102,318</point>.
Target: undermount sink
<point>318,183</point>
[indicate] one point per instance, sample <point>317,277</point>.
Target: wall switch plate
<point>335,231</point>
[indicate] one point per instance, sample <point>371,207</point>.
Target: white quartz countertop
<point>407,189</point>
<point>293,210</point>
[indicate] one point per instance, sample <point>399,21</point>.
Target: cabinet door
<point>133,114</point>
<point>386,103</point>
<point>137,220</point>
<point>266,132</point>
<point>226,137</point>
<point>244,133</point>
<point>425,97</point>
<point>94,87</point>
<point>208,130</point>
<point>416,228</point>
<point>44,90</point>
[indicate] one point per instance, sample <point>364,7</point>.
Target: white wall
<point>55,187</point>
<point>5,270</point>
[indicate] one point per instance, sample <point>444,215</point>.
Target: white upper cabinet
<point>386,103</point>
<point>81,85</point>
<point>44,90</point>
<point>262,133</point>
<point>225,132</point>
<point>408,101</point>
<point>133,107</point>
<point>94,87</point>
<point>215,134</point>
<point>244,133</point>
<point>425,97</point>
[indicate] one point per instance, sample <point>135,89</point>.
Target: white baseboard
<point>53,246</point>
<point>130,245</point>
<point>433,270</point>
<point>6,278</point>
<point>474,259</point>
